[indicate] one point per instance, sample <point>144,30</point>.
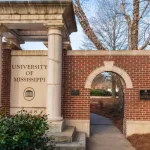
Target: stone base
<point>137,127</point>
<point>55,127</point>
<point>78,144</point>
<point>81,125</point>
<point>67,136</point>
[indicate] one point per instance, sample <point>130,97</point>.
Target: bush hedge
<point>24,131</point>
<point>100,92</point>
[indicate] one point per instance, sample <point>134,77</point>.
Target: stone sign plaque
<point>144,94</point>
<point>28,81</point>
<point>75,92</point>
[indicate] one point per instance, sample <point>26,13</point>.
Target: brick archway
<point>109,66</point>
<point>81,67</point>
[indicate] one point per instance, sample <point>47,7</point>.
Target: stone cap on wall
<point>108,52</point>
<point>36,1</point>
<point>29,53</point>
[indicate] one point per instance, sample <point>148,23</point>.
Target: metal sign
<point>75,92</point>
<point>144,94</point>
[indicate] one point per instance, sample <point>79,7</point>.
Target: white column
<point>53,107</point>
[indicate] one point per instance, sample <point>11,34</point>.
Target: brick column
<point>6,79</point>
<point>2,29</point>
<point>6,75</point>
<point>65,47</point>
<point>0,65</point>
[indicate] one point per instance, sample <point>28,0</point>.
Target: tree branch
<point>147,42</point>
<point>146,6</point>
<point>129,22</point>
<point>127,17</point>
<point>86,26</point>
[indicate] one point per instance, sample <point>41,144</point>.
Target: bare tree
<point>133,20</point>
<point>109,26</point>
<point>136,20</point>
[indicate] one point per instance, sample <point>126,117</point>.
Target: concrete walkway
<point>106,136</point>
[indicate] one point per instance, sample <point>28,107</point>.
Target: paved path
<point>106,136</point>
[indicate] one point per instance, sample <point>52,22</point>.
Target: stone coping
<point>27,107</point>
<point>103,97</point>
<point>29,53</point>
<point>82,53</point>
<point>35,1</point>
<point>108,52</point>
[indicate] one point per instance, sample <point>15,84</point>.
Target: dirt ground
<point>140,142</point>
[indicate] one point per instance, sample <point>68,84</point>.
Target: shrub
<point>24,131</point>
<point>100,92</point>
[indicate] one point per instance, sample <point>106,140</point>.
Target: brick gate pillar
<point>53,106</point>
<point>0,64</point>
<point>2,29</point>
<point>7,47</point>
<point>6,79</point>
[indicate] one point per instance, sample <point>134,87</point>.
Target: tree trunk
<point>113,86</point>
<point>134,27</point>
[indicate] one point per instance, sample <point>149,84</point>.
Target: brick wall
<point>103,100</point>
<point>74,107</point>
<point>97,102</point>
<point>6,76</point>
<point>78,67</point>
